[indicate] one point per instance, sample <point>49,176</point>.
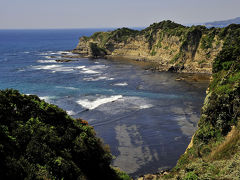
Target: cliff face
<point>214,151</point>
<point>172,46</point>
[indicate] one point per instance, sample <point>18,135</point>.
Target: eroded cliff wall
<point>171,46</point>
<point>215,148</point>
<point>214,152</point>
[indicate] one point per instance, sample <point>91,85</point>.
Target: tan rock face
<point>172,46</point>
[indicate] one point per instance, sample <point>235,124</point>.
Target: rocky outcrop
<point>214,151</point>
<point>173,47</point>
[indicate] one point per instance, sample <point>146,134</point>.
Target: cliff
<point>173,47</point>
<point>215,149</point>
<point>214,152</point>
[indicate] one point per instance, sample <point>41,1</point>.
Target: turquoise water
<point>146,117</point>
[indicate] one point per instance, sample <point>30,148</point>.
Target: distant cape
<point>223,23</point>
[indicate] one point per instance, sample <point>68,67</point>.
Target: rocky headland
<point>173,47</point>
<point>40,141</point>
<point>215,147</point>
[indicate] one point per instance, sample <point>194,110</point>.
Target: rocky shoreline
<point>195,49</point>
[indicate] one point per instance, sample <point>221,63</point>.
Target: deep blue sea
<point>146,117</point>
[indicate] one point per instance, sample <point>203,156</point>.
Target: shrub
<point>40,141</point>
<point>190,176</point>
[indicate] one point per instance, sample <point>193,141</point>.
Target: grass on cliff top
<point>118,35</point>
<point>123,34</point>
<point>223,162</point>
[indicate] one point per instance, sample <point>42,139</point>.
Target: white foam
<point>47,67</point>
<point>56,53</point>
<point>121,84</point>
<point>98,78</point>
<point>80,67</point>
<point>48,57</point>
<point>85,70</point>
<point>46,61</point>
<point>70,88</point>
<point>89,71</point>
<point>98,102</point>
<point>63,68</point>
<point>146,106</point>
<point>46,98</point>
<point>54,68</point>
<point>63,52</point>
<point>94,79</point>
<point>71,113</point>
<point>45,53</point>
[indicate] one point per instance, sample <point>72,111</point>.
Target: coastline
<point>149,65</point>
<point>194,50</point>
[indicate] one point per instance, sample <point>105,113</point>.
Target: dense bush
<point>40,141</point>
<point>166,26</point>
<point>207,40</point>
<point>230,51</point>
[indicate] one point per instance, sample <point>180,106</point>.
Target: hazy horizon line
<point>131,27</point>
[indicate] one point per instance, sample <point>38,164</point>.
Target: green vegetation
<point>97,51</point>
<point>175,58</point>
<point>102,37</point>
<point>153,52</point>
<point>40,141</point>
<point>208,39</point>
<point>190,176</point>
<point>122,34</point>
<point>189,39</point>
<point>202,61</point>
<point>231,49</point>
<point>166,48</point>
<point>216,147</point>
<point>118,35</point>
<point>165,26</point>
<point>159,44</point>
<point>192,38</point>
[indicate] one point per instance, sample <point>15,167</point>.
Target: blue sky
<point>18,14</point>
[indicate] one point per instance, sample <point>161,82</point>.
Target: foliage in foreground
<point>40,141</point>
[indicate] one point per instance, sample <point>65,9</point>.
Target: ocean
<point>146,117</point>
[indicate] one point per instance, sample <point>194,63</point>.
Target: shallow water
<point>146,117</point>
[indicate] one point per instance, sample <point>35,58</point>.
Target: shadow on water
<point>152,124</point>
<point>149,139</point>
